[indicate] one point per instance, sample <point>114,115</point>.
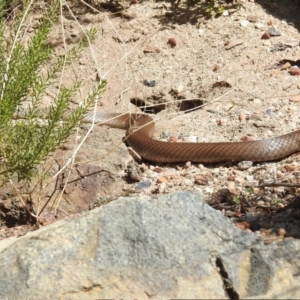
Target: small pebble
<point>144,167</point>
<point>294,98</point>
<point>279,174</point>
<point>244,165</point>
<point>258,25</point>
<point>232,187</point>
<point>244,23</point>
<point>152,50</point>
<point>178,89</point>
<point>281,232</point>
<point>201,32</point>
<point>209,189</point>
<point>187,165</point>
<point>231,178</point>
<point>291,167</point>
<point>193,139</point>
<point>261,203</point>
<point>158,170</point>
<point>222,122</point>
<point>150,83</point>
<point>200,180</point>
<point>233,43</point>
<point>286,66</point>
<point>274,32</point>
<point>247,138</point>
<point>294,71</point>
<point>216,68</point>
<point>266,36</point>
<point>242,225</point>
<point>172,42</point>
<point>242,117</point>
<point>252,18</point>
<point>143,185</point>
<point>292,44</point>
<point>173,139</point>
<point>162,179</point>
<point>249,178</point>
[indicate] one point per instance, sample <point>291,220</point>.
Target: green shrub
<point>28,134</point>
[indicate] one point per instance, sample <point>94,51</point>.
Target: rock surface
<point>173,246</point>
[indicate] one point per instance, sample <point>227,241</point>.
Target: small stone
<point>231,186</point>
<point>144,167</point>
<point>258,25</point>
<point>286,66</point>
<point>294,98</point>
<point>242,225</point>
<point>152,50</point>
<point>281,232</point>
<point>222,122</point>
<point>143,185</point>
<point>187,165</point>
<point>158,170</point>
<point>252,18</point>
<point>249,178</point>
<point>173,139</point>
<point>231,178</point>
<point>278,47</point>
<point>291,167</point>
<point>193,139</point>
<point>291,44</point>
<point>242,117</point>
<point>244,23</point>
<point>172,42</point>
<point>201,32</point>
<point>162,179</point>
<point>247,138</point>
<point>216,68</point>
<point>177,90</point>
<point>150,83</point>
<point>260,203</point>
<point>233,43</point>
<point>273,32</point>
<point>294,71</point>
<point>244,165</point>
<point>266,36</point>
<point>200,180</point>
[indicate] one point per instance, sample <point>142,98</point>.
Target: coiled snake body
<point>140,129</point>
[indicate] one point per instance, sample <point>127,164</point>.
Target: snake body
<point>140,128</point>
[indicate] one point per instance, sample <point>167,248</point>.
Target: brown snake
<point>140,128</point>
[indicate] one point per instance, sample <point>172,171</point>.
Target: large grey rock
<point>172,246</point>
<point>272,271</point>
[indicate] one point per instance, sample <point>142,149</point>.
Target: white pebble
<point>244,23</point>
<point>249,178</point>
<point>258,26</point>
<point>193,139</point>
